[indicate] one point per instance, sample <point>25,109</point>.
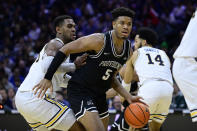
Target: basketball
<point>137,115</point>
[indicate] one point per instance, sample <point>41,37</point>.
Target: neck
<point>62,38</point>
<point>117,40</point>
<point>147,45</point>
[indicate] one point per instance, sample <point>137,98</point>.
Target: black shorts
<point>81,102</point>
<point>120,124</point>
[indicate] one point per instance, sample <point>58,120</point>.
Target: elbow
<point>128,77</point>
<point>127,81</point>
<point>64,50</point>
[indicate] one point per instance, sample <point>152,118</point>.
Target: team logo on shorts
<point>90,102</point>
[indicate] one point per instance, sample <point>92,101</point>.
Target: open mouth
<point>125,33</point>
<point>74,36</point>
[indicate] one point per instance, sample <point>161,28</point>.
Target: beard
<point>124,37</point>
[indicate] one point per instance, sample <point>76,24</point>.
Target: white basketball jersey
<point>36,74</point>
<point>152,63</point>
<point>188,46</point>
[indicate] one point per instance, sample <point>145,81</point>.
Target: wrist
<point>56,62</point>
<point>74,67</point>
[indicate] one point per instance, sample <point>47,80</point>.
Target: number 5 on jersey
<point>107,74</point>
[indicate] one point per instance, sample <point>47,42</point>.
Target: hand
<point>132,99</point>
<point>80,60</point>
<point>42,87</point>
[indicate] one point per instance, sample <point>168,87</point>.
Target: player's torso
<point>152,63</point>
<point>100,68</point>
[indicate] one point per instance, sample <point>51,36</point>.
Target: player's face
<point>138,42</point>
<point>122,26</point>
<point>69,30</point>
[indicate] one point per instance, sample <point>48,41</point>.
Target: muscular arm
<point>51,49</point>
<point>119,89</point>
<point>122,91</point>
<point>92,42</point>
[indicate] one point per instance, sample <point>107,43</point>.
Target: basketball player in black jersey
<point>87,87</point>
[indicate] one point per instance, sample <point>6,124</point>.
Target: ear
<point>113,24</point>
<point>58,30</point>
<point>144,42</point>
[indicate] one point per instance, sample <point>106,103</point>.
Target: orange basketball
<point>137,115</point>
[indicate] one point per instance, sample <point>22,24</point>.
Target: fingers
<point>36,88</point>
<point>39,93</point>
<point>85,55</point>
<point>42,87</point>
<point>140,99</point>
<point>43,92</point>
<point>143,103</point>
<point>83,63</point>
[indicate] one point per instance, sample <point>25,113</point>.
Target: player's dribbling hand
<point>135,99</point>
<point>42,87</point>
<point>80,60</point>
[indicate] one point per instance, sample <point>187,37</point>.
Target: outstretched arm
<point>92,42</point>
<point>51,49</point>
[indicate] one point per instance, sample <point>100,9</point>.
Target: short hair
<point>148,34</point>
<point>59,20</point>
<point>122,11</point>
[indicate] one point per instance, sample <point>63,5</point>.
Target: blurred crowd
<point>26,25</point>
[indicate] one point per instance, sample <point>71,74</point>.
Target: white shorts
<point>45,112</point>
<point>185,75</point>
<point>158,96</point>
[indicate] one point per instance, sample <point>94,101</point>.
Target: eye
<point>122,22</point>
<point>69,26</point>
<point>129,24</point>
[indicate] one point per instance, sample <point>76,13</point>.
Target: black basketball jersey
<point>95,77</point>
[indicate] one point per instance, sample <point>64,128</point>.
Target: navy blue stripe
<point>52,117</point>
<point>158,114</point>
<point>58,118</point>
<point>157,118</point>
<point>193,110</point>
<point>194,116</point>
<point>56,113</point>
<point>33,123</point>
<point>37,126</point>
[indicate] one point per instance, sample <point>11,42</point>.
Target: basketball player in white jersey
<point>46,113</point>
<point>152,67</point>
<point>185,66</point>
